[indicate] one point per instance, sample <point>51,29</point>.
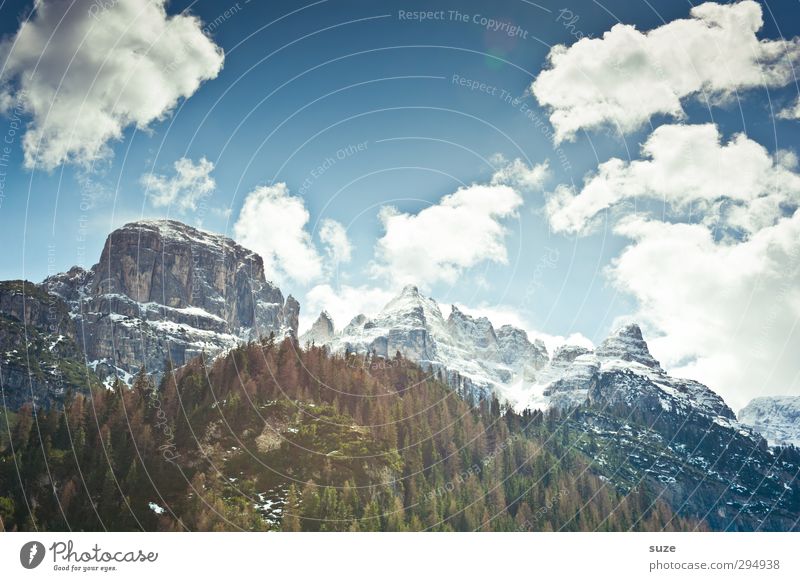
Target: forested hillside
<point>279,437</point>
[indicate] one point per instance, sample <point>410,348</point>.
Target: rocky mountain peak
<point>566,354</point>
<point>356,325</point>
<point>322,331</point>
<point>477,330</point>
<point>627,343</point>
<point>631,330</point>
<point>411,309</point>
<point>166,290</point>
<point>173,264</point>
<point>516,349</point>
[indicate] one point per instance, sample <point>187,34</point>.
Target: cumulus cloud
<point>714,271</point>
<point>273,223</point>
<point>738,183</point>
<point>518,174</point>
<point>627,76</point>
<point>191,183</point>
<point>441,241</point>
<point>791,112</point>
<point>84,72</point>
<point>724,313</point>
<point>334,236</point>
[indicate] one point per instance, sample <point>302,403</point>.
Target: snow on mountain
<point>163,290</point>
<point>621,371</point>
<point>321,331</point>
<point>411,323</point>
<point>627,343</point>
<point>777,418</point>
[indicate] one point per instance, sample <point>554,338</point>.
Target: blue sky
<point>380,96</point>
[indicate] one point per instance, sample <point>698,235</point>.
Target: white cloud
<point>273,223</point>
<point>518,174</point>
<point>191,183</point>
<point>687,167</point>
<point>342,303</point>
<point>84,72</point>
<point>724,313</point>
<point>791,112</point>
<point>439,242</point>
<point>714,272</point>
<point>627,76</point>
<point>334,237</point>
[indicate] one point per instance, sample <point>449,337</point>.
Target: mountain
<point>506,362</point>
<point>637,423</point>
<point>274,437</point>
<point>40,358</point>
<point>621,370</point>
<point>470,351</point>
<point>271,436</point>
<point>369,413</point>
<point>777,418</point>
<point>162,293</point>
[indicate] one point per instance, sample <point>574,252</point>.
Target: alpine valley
<point>167,388</point>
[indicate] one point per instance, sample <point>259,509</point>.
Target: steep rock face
<point>164,291</point>
<point>289,319</point>
<point>515,348</point>
<point>28,304</point>
<point>177,266</point>
<point>40,362</point>
<point>777,418</point>
<point>477,332</point>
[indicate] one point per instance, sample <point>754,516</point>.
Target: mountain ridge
<point>163,290</point>
<point>163,293</point>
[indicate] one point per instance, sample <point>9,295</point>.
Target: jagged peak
<point>356,325</point>
<point>631,329</point>
<point>568,353</point>
<point>512,330</point>
<point>456,313</point>
<point>627,343</point>
<point>410,296</point>
<point>359,319</point>
<point>324,320</point>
